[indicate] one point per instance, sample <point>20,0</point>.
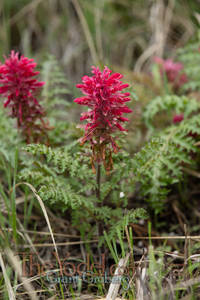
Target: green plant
<point>8,134</point>
<point>189,55</point>
<point>170,105</point>
<point>159,164</point>
<point>64,178</point>
<point>58,107</point>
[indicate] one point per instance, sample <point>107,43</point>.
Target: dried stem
<point>87,32</point>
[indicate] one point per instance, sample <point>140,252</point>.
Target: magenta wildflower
<point>19,87</point>
<point>106,101</point>
<point>178,118</point>
<point>173,71</point>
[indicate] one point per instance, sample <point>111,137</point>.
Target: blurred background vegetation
<point>67,37</point>
<point>125,33</point>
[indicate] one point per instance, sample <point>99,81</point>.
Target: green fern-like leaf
<point>190,57</point>
<point>159,163</point>
<point>54,91</point>
<point>55,100</point>
<point>60,176</point>
<point>132,216</point>
<point>177,104</point>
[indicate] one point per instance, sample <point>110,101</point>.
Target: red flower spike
<point>19,87</point>
<point>106,101</point>
<point>173,71</point>
<point>178,118</point>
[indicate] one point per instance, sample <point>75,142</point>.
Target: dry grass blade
<point>15,262</point>
<point>43,210</point>
<point>192,172</point>
<point>30,242</point>
<point>173,237</point>
<point>37,291</point>
<point>141,283</point>
<point>114,287</point>
<point>7,280</point>
<point>90,297</point>
<point>86,31</point>
<point>182,285</point>
<point>34,278</point>
<point>26,9</point>
<point>3,206</point>
<point>47,233</point>
<point>102,298</point>
<point>60,244</point>
<point>197,16</point>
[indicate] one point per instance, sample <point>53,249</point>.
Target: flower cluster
<point>106,102</point>
<point>173,71</point>
<point>19,87</point>
<point>178,118</point>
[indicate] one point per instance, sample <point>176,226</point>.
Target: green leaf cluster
<point>169,104</point>
<point>189,55</point>
<point>55,95</point>
<point>64,179</point>
<point>160,163</point>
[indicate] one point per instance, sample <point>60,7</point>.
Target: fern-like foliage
<point>59,175</point>
<point>55,100</point>
<point>159,163</point>
<point>64,178</point>
<point>54,91</point>
<point>132,216</point>
<point>169,104</point>
<point>190,57</point>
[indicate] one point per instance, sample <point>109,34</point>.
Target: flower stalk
<point>98,182</point>
<point>98,196</point>
<point>20,87</point>
<point>105,99</point>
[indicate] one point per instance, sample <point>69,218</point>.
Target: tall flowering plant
<point>19,87</point>
<point>105,99</point>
